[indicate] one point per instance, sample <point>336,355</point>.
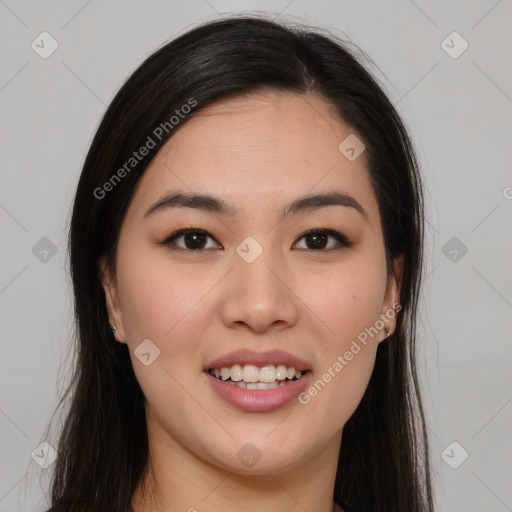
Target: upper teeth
<point>252,373</point>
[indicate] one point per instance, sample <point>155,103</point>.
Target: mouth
<point>252,388</point>
<point>253,381</point>
<point>252,377</point>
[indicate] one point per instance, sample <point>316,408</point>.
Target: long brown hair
<point>102,451</point>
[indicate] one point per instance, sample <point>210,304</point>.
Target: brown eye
<point>193,239</point>
<point>318,239</point>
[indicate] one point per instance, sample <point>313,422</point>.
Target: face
<point>249,278</point>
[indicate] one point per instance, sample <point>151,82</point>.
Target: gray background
<point>459,112</point>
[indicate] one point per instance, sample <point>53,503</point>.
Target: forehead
<point>274,145</point>
<point>274,129</point>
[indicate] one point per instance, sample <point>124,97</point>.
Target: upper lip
<point>245,356</point>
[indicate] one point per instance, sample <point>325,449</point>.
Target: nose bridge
<point>258,292</point>
<point>258,261</point>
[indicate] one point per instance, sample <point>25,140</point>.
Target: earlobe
<point>109,287</point>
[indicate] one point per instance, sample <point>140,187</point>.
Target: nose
<point>259,295</point>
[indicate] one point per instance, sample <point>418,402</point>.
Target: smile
<point>259,396</point>
<point>250,376</point>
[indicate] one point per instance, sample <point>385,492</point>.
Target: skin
<point>258,153</point>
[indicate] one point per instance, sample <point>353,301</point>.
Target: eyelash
<point>340,237</point>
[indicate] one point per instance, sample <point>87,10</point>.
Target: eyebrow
<point>211,204</point>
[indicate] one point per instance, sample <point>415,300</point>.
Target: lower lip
<point>259,400</point>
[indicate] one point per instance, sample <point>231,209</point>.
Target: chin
<point>258,458</point>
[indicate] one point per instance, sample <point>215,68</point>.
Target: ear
<point>111,298</point>
<point>391,305</point>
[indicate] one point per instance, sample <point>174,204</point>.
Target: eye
<point>195,239</point>
<point>318,239</point>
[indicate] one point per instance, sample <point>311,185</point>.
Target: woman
<point>246,255</point>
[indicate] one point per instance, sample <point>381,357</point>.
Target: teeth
<point>262,385</point>
<point>251,376</point>
<point>236,373</point>
<point>281,372</point>
<point>269,385</point>
<point>251,373</point>
<point>259,385</point>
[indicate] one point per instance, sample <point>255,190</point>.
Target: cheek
<point>347,298</point>
<point>348,303</point>
<point>157,292</point>
<point>165,305</point>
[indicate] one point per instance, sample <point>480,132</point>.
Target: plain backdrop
<point>454,92</point>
